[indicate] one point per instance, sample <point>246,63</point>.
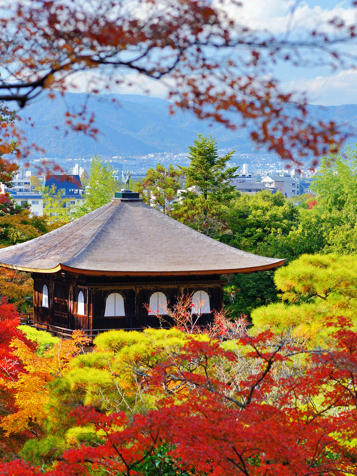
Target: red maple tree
<point>274,420</point>
<point>10,367</point>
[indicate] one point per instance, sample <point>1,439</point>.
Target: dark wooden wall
<point>64,288</point>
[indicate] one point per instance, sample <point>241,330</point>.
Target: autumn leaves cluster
<point>178,402</point>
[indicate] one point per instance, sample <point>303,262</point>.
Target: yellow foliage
<point>31,387</point>
<point>315,288</point>
<point>114,377</point>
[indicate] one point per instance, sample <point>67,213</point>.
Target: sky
<point>322,85</point>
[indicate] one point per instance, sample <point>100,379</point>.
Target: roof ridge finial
<point>126,180</point>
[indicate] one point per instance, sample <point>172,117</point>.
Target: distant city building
<point>23,192</point>
<point>244,178</point>
<point>70,185</point>
<point>21,182</point>
<point>245,169</point>
<point>305,187</point>
<point>33,199</point>
<point>296,173</point>
<point>287,185</point>
<point>249,187</point>
<point>76,170</point>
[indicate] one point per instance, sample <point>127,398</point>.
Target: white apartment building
<point>34,199</point>
<point>22,192</point>
<point>287,185</point>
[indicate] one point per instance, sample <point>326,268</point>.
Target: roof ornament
<point>126,180</point>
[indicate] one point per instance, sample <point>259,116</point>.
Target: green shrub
<point>43,339</point>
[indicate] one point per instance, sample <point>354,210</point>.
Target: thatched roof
<point>128,237</point>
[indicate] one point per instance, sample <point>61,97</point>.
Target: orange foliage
<point>10,368</point>
<point>312,204</point>
<point>17,287</point>
<point>30,388</point>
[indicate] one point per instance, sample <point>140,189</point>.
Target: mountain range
<point>132,125</point>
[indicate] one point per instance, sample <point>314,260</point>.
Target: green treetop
<point>313,287</point>
<point>56,208</point>
<point>208,171</point>
<point>100,189</point>
<point>336,183</point>
<point>208,187</point>
<point>336,201</point>
<point>160,187</point>
<point>84,178</point>
<point>255,220</point>
<point>257,224</point>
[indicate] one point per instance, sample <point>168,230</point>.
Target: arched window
<point>200,301</point>
<point>158,304</point>
<point>45,296</point>
<point>114,305</point>
<point>80,304</point>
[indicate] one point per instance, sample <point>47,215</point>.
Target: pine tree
<point>209,171</point>
<point>208,187</point>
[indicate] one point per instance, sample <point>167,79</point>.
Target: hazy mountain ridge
<point>139,126</point>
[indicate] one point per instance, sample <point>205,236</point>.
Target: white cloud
<point>269,15</point>
<point>274,15</point>
<point>131,83</point>
<point>332,90</point>
<point>328,90</point>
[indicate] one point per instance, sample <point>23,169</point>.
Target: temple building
<point>102,270</point>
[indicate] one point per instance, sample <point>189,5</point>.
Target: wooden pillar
<point>90,308</point>
<point>35,298</point>
<point>51,300</point>
<point>70,306</point>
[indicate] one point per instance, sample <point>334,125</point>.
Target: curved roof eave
<point>30,270</point>
<point>90,272</point>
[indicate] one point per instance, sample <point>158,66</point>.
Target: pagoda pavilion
<point>101,270</point>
